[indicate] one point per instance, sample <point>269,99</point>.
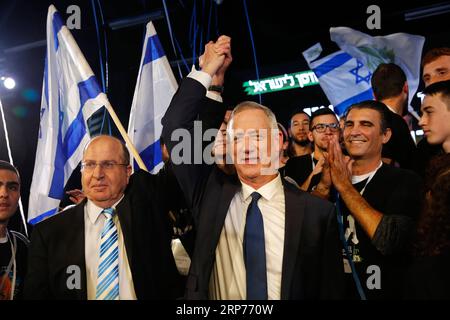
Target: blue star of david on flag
<point>359,78</point>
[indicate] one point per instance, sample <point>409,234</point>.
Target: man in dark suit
<point>378,204</point>
<point>73,256</point>
<point>258,237</point>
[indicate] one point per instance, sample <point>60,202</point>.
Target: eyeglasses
<point>104,165</point>
<point>322,127</point>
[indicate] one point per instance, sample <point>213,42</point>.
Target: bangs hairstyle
<point>442,88</point>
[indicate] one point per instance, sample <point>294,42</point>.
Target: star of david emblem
<point>360,78</point>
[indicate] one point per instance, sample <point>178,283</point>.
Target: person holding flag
<point>115,244</point>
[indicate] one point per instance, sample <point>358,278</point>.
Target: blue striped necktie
<point>108,267</point>
<point>255,252</point>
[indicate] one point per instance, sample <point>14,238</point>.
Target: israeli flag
<point>344,79</point>
<point>345,75</point>
<point>70,95</point>
<point>154,90</point>
<point>403,49</point>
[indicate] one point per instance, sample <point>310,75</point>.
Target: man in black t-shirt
<point>377,203</point>
<point>13,245</point>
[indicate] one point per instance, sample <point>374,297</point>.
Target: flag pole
<point>12,162</point>
<point>125,136</point>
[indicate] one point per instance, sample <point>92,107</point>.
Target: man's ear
<point>387,135</point>
<point>405,88</point>
<point>310,136</point>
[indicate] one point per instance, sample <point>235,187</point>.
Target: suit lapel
<point>78,255</point>
<point>124,212</point>
<point>294,213</point>
<point>228,191</point>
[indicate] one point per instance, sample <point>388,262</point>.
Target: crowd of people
<point>332,208</point>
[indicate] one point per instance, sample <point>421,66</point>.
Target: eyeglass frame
<point>104,165</point>
<point>334,127</point>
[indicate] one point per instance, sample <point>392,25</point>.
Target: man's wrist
<point>216,88</point>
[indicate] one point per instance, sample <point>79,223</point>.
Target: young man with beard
<point>298,131</point>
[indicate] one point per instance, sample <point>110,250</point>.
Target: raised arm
<point>183,138</point>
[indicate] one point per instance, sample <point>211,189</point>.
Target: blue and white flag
<point>344,79</point>
<point>345,75</point>
<point>155,87</point>
<point>70,95</point>
<point>403,49</point>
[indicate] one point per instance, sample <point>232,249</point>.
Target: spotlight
<point>9,83</point>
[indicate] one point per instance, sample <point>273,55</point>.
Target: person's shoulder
<point>299,159</point>
<point>142,179</point>
<point>398,174</point>
<point>60,218</point>
<point>312,202</point>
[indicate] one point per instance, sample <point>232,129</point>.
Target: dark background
<point>281,31</point>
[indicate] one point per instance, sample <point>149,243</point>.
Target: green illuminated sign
<point>284,82</point>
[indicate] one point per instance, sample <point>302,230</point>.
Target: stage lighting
<point>9,83</point>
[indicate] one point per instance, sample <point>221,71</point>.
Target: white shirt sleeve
<point>205,79</point>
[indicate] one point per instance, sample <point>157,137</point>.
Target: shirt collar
<point>267,191</point>
<point>94,211</point>
<point>390,108</point>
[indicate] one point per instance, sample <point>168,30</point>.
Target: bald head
<point>110,142</point>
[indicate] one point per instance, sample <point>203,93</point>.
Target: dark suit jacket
<point>312,262</point>
<point>59,242</point>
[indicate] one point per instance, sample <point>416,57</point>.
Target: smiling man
<point>378,203</point>
<point>257,236</point>
<point>435,119</point>
<point>104,248</point>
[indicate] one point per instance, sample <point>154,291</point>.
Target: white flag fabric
<point>344,79</point>
<point>345,75</point>
<point>70,95</point>
<point>403,49</point>
<point>154,90</point>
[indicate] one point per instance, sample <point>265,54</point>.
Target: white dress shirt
<point>228,277</point>
<point>93,226</point>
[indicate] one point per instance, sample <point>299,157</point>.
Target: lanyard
<point>11,265</point>
<point>370,178</point>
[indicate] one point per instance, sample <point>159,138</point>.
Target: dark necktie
<point>255,252</point>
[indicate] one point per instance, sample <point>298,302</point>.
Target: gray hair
<point>248,105</point>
